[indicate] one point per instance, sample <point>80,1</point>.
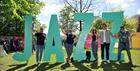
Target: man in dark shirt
<point>123,37</point>
<point>40,45</point>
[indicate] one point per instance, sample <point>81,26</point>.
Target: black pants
<point>105,46</point>
<point>88,55</point>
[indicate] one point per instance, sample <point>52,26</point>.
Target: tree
<point>12,15</point>
<point>99,22</point>
<point>83,6</point>
<point>66,18</point>
<point>38,26</point>
<point>79,6</point>
<point>138,26</point>
<point>130,24</point>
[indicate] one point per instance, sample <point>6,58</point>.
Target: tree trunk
<point>138,26</point>
<point>80,25</point>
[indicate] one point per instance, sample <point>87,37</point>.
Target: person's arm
<point>117,35</point>
<point>62,30</point>
<point>111,33</point>
<point>74,37</point>
<point>44,35</point>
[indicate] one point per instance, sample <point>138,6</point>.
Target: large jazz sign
<point>54,35</point>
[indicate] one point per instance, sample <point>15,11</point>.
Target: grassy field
<point>7,63</point>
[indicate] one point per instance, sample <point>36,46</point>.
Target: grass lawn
<point>7,63</point>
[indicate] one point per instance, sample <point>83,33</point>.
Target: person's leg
<point>94,50</point>
<point>128,52</point>
<point>88,54</point>
<point>107,51</point>
<point>41,51</point>
<point>71,50</point>
<point>67,46</point>
<point>37,53</point>
<point>120,47</point>
<point>129,55</point>
<point>102,51</point>
<point>72,59</point>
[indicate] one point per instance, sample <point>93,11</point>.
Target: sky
<point>130,8</point>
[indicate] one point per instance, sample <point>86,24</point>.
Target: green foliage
<point>38,26</point>
<point>12,15</point>
<point>7,63</point>
<point>98,23</point>
<point>67,19</point>
<point>129,23</point>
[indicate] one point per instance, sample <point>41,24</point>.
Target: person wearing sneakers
<point>123,37</point>
<point>40,45</point>
<point>95,44</point>
<point>69,42</point>
<point>105,42</point>
<point>87,47</point>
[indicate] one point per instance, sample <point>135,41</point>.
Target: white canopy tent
<point>2,51</point>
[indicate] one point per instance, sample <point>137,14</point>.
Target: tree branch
<point>85,5</point>
<point>70,5</point>
<point>76,5</point>
<point>88,6</point>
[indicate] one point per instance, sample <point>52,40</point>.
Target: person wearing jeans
<point>40,45</point>
<point>39,51</point>
<point>123,37</point>
<point>69,42</point>
<point>95,44</point>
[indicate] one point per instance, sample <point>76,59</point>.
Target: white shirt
<point>104,35</point>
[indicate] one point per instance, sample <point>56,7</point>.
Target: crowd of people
<point>91,44</point>
<point>13,44</point>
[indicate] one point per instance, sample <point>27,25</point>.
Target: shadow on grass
<point>30,67</point>
<point>117,67</point>
<point>64,66</point>
<point>46,66</point>
<point>80,66</point>
<point>16,66</point>
<point>94,65</point>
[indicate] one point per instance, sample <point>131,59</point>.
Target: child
<point>87,46</point>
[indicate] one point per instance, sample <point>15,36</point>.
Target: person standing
<point>105,42</point>
<point>123,37</point>
<point>69,42</point>
<point>40,45</point>
<point>87,47</point>
<point>95,44</point>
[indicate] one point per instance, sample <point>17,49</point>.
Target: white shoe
<point>108,61</point>
<point>101,61</point>
<point>39,62</point>
<point>36,63</point>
